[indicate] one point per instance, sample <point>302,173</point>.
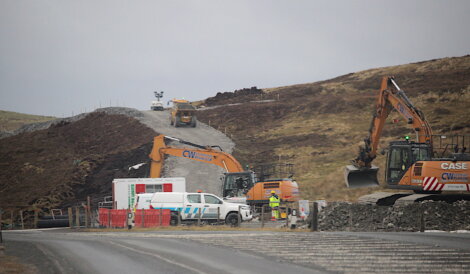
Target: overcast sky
<point>62,57</point>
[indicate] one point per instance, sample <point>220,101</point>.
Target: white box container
<point>125,190</point>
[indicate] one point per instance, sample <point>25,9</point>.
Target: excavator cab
<point>401,156</point>
<point>237,184</point>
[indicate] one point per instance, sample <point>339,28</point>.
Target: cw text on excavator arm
<point>205,154</point>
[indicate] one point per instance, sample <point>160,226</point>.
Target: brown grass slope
<point>63,164</point>
<point>9,121</point>
<point>319,126</point>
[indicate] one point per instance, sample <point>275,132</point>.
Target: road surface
<point>199,176</point>
<point>62,251</point>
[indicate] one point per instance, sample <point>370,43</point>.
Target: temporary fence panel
<point>152,217</point>
<point>117,218</point>
<point>103,217</point>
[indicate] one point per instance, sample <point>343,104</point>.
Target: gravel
<point>437,215</point>
<point>199,176</point>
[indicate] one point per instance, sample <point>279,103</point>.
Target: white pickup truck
<point>191,205</point>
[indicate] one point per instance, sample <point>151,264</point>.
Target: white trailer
<point>125,190</point>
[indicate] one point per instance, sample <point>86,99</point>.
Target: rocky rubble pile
<point>436,215</point>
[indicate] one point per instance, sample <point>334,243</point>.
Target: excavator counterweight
<point>361,177</point>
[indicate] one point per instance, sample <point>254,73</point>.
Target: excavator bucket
<point>356,177</point>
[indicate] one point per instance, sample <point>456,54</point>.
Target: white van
<point>191,204</point>
<point>143,201</point>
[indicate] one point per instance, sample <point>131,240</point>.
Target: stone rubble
<point>437,215</point>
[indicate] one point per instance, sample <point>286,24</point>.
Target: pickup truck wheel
<point>232,219</point>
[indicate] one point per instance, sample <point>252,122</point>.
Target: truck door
<point>211,205</point>
<point>193,204</point>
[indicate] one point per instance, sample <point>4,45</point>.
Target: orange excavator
<point>411,165</point>
<point>238,183</point>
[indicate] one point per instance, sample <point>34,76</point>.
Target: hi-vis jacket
<point>274,201</point>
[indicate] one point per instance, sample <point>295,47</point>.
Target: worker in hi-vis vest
<point>274,204</point>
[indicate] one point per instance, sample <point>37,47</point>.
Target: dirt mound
<point>51,122</point>
<point>237,96</point>
<point>64,163</point>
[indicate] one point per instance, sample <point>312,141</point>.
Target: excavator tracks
<point>391,198</point>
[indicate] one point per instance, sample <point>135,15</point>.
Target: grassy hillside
<point>319,126</point>
<point>9,121</point>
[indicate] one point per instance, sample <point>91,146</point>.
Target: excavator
<point>238,184</point>
<point>410,165</point>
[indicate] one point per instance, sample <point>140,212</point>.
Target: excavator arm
<point>205,154</point>
<point>362,173</point>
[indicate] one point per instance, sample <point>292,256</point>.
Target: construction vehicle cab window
<point>182,114</point>
<point>237,184</point>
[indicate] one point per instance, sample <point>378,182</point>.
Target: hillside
<point>319,126</point>
<point>63,164</point>
<point>10,121</point>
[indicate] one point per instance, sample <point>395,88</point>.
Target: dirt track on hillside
<point>198,175</point>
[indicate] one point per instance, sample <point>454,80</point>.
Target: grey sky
<point>59,57</point>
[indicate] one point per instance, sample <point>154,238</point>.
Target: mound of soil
<point>61,165</point>
<point>237,96</point>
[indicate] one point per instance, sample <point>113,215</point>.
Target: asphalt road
<point>62,251</point>
<point>59,252</point>
<point>199,176</point>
